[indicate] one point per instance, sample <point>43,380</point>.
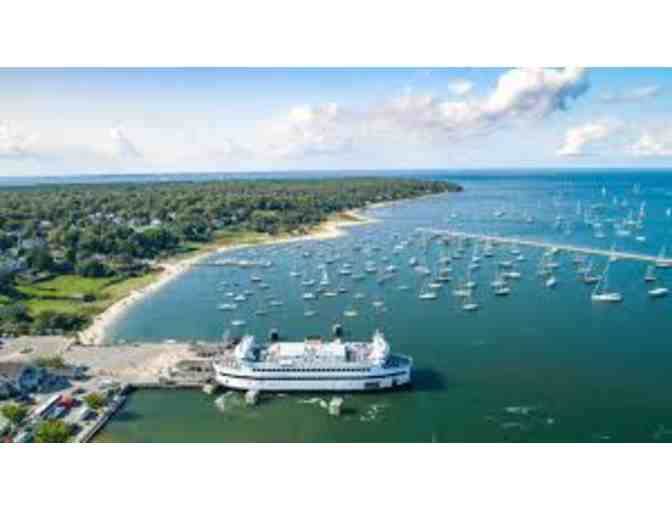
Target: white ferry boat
<point>313,365</point>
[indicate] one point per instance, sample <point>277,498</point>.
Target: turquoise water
<point>537,365</point>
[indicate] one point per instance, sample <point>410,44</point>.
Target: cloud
<point>331,129</point>
<point>312,131</point>
<point>121,146</point>
<point>635,94</point>
<point>520,94</point>
<point>460,87</point>
<point>16,145</point>
<point>653,144</point>
<point>578,138</point>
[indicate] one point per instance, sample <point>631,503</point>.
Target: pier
<point>614,255</point>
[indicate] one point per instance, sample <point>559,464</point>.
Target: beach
<point>95,334</point>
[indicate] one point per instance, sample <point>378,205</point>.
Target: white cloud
<point>14,144</point>
<point>578,138</point>
<point>652,144</point>
<point>520,94</point>
<point>312,131</point>
<point>121,146</point>
<point>460,87</point>
<point>536,92</point>
<point>635,94</point>
<point>333,130</point>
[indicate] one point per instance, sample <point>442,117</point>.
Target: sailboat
<point>588,277</point>
<point>351,312</point>
<point>650,276</point>
<point>426,293</point>
<point>659,292</point>
<point>469,305</point>
<point>600,292</point>
<point>325,281</point>
<point>295,273</point>
<point>307,281</point>
<point>444,274</point>
<point>469,283</point>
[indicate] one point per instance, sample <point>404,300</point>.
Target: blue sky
<point>75,121</point>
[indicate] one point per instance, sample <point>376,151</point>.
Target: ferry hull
<point>328,385</point>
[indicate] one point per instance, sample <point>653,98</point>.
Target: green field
<point>64,294</point>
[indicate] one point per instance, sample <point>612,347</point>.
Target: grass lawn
<point>63,293</point>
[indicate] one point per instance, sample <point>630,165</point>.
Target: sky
<point>86,121</point>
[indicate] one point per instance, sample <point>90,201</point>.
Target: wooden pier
<point>614,255</point>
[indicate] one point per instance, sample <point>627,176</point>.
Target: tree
<point>6,282</point>
<point>95,400</point>
<point>6,242</point>
<point>39,259</point>
<point>51,362</point>
<point>15,413</point>
<point>16,312</point>
<point>53,431</point>
<point>49,320</point>
<point>93,269</point>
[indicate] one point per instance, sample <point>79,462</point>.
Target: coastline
<point>95,334</point>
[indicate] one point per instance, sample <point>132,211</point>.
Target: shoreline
<point>95,334</point>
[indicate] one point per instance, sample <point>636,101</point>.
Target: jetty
<point>496,239</point>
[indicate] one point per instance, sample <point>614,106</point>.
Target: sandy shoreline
<point>95,333</point>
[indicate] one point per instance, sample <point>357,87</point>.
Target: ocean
<point>538,365</point>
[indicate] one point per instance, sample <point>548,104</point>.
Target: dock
<point>614,255</point>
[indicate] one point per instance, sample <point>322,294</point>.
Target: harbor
<point>482,316</point>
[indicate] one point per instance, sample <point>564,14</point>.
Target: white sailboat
<point>588,277</point>
<point>601,292</point>
<point>659,292</point>
<point>469,305</point>
<point>427,294</point>
<point>351,312</point>
<point>650,275</point>
<point>325,281</point>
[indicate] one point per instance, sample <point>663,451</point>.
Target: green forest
<point>68,251</point>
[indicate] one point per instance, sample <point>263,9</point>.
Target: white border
<point>415,33</point>
<point>335,477</point>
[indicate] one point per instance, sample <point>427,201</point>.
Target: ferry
<point>313,365</point>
